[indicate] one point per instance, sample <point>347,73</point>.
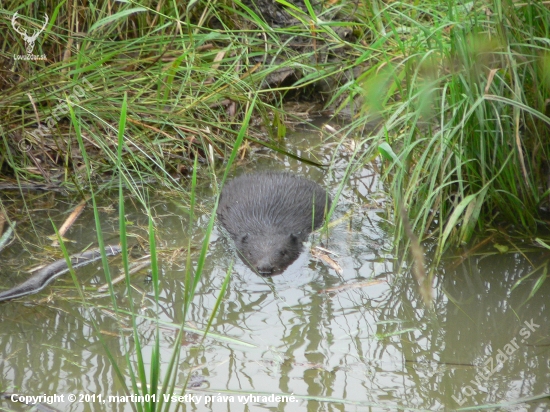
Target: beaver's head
<point>269,254</point>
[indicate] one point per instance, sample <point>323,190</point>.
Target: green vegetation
<point>189,73</point>
<point>161,378</point>
<point>460,90</point>
<point>131,94</point>
<point>465,92</point>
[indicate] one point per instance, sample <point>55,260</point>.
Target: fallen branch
<point>45,276</point>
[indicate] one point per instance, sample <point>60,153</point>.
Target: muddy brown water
<point>369,348</point>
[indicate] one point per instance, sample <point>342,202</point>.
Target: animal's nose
<point>265,268</point>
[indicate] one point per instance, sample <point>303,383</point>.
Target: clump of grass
<point>161,378</point>
<point>188,71</point>
<point>463,100</point>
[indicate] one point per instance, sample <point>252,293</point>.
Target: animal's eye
<point>282,252</point>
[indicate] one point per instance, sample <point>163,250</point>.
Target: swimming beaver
<point>268,215</point>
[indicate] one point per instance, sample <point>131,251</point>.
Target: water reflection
<point>371,348</point>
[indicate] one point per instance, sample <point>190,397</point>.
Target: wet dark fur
<point>268,216</point>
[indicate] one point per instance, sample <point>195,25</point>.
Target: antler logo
<point>29,40</point>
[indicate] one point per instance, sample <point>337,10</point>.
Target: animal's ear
<point>295,237</point>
